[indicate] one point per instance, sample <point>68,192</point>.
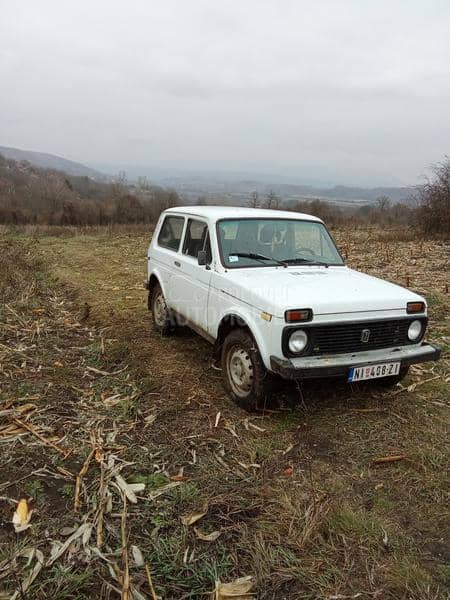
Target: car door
<point>190,286</point>
<point>165,252</point>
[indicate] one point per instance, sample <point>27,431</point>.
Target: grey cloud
<point>356,88</point>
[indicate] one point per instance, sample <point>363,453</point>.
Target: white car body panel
<point>205,296</point>
<point>328,290</point>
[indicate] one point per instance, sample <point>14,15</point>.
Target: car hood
<point>326,290</point>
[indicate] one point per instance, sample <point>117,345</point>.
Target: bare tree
<point>272,201</point>
<point>433,198</point>
<point>254,201</point>
<point>383,203</point>
<point>119,187</point>
<point>143,184</point>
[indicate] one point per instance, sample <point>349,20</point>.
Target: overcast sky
<point>354,91</point>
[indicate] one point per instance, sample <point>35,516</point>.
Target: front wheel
<point>244,374</point>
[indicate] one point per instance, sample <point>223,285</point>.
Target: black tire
<point>162,320</point>
<point>389,382</point>
<point>239,351</point>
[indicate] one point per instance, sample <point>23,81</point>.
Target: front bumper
<point>338,365</point>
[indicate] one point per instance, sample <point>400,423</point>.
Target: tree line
<point>33,195</point>
<point>30,194</point>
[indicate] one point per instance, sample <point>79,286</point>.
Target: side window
<point>170,233</point>
<point>196,238</point>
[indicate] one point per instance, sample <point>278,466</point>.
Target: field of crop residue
<point>145,481</point>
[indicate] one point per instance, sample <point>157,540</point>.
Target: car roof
<point>215,213</point>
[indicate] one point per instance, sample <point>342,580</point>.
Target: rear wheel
<point>160,311</point>
<point>243,371</point>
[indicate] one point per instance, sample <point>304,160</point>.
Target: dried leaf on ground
<point>229,427</point>
<point>180,476</point>
<point>261,429</point>
<point>137,556</point>
<point>193,517</point>
<point>65,531</point>
<point>129,489</point>
<point>388,459</point>
<point>162,490</point>
<point>288,471</point>
<point>288,449</point>
<point>31,554</point>
<point>99,455</point>
<point>149,419</point>
<point>239,589</point>
<point>58,549</point>
<point>207,537</point>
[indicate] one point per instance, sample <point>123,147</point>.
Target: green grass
<point>61,582</point>
<point>357,525</point>
<point>152,481</point>
<point>34,489</point>
<point>175,578</point>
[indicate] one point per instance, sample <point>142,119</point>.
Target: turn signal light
<point>415,307</point>
<point>299,315</point>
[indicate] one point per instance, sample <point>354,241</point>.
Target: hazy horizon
<point>316,92</point>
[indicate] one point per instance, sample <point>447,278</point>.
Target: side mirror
<point>201,257</point>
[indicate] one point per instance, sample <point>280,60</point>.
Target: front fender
<point>259,328</point>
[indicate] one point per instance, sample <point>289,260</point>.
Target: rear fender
<point>155,274</point>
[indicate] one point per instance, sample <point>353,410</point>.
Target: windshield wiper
<point>290,261</point>
<point>257,256</point>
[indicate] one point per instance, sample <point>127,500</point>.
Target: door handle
<point>176,263</point>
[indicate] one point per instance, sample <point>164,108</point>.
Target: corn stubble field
<point>145,481</point>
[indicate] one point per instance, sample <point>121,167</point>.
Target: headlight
<point>415,330</point>
<point>297,341</point>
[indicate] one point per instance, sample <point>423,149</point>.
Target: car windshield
<point>271,242</point>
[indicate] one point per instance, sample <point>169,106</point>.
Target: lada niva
<point>270,290</point>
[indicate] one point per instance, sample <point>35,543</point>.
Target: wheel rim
<point>160,310</point>
<point>240,371</point>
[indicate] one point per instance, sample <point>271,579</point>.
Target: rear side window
<point>196,238</point>
<point>170,234</point>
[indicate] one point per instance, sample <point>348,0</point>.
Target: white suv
<point>270,290</point>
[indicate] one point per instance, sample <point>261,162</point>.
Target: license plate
<point>373,371</point>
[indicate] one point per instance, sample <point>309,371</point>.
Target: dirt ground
<point>146,481</point>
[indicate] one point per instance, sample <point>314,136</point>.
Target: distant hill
<point>219,190</point>
<point>229,187</point>
<point>223,187</point>
<point>347,193</point>
<point>51,161</point>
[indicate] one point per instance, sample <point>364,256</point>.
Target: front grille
<point>348,337</point>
